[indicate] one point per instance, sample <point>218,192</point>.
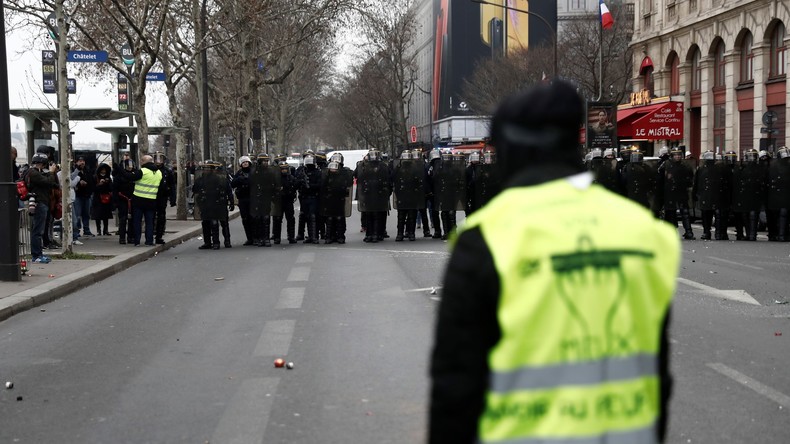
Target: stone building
<point>725,60</point>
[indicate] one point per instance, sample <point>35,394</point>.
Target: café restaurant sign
<point>640,98</point>
<point>665,122</point>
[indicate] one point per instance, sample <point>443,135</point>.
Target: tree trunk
<point>64,137</point>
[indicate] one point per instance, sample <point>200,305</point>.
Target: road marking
<point>290,298</point>
<point>437,288</point>
<point>732,295</point>
<point>276,338</point>
<point>442,253</point>
<point>246,417</point>
<point>299,274</point>
<point>305,258</point>
<point>735,263</point>
<point>774,395</point>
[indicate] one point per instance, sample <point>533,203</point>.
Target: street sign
<point>87,56</point>
<point>52,25</point>
<point>770,117</point>
<point>765,130</point>
<point>127,54</point>
<point>71,86</point>
<point>413,134</point>
<point>155,77</point>
<point>123,93</point>
<point>48,73</point>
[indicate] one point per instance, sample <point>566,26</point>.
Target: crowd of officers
<point>722,188</point>
<point>426,189</point>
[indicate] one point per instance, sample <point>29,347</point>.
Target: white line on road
<point>732,295</point>
<point>290,298</point>
<point>299,274</point>
<point>305,258</point>
<point>276,338</point>
<point>442,253</point>
<point>774,395</point>
<point>246,417</point>
<point>437,288</point>
<point>735,263</point>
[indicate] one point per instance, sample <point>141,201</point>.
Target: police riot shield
<point>677,178</point>
<point>748,187</point>
<point>373,188</point>
<point>484,184</point>
<point>335,194</point>
<point>449,185</point>
<point>640,180</point>
<point>605,173</point>
<point>408,187</point>
<point>211,196</point>
<point>778,195</point>
<point>265,186</point>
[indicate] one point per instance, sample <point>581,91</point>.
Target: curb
<point>62,286</point>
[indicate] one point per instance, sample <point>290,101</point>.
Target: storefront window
<point>696,71</point>
<point>674,80</point>
<point>747,59</point>
<point>778,51</point>
<point>719,121</point>
<point>721,64</point>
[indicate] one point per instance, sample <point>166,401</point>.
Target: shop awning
<point>664,123</point>
<point>626,118</point>
<point>647,64</point>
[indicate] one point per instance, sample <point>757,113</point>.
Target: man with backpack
<point>40,183</point>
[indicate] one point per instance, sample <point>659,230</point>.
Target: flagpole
<point>600,55</point>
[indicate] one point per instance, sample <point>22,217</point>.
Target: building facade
<point>725,60</point>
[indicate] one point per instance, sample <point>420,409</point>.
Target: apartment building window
<point>692,5</point>
<point>721,65</point>
<point>577,5</point>
<point>674,75</point>
<point>747,59</point>
<point>671,13</point>
<point>778,51</point>
<point>696,71</point>
<point>647,6</point>
<point>719,122</point>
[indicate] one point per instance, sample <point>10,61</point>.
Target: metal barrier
<point>24,239</point>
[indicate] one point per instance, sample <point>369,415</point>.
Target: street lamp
<point>545,22</point>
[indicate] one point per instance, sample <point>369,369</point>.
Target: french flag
<point>606,17</point>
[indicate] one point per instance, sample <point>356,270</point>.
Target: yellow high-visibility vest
<point>148,185</point>
<point>581,308</point>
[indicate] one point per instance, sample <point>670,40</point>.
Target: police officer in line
<point>241,183</point>
<point>299,173</point>
<point>778,199</point>
<point>309,182</point>
<point>640,180</point>
<point>321,162</point>
<point>482,180</point>
<point>434,158</point>
<point>528,306</point>
<point>676,178</point>
<point>337,182</point>
<point>373,191</point>
<point>162,196</point>
<point>264,198</point>
<point>704,191</point>
<point>123,188</point>
<point>408,186</point>
<point>748,194</point>
<point>287,197</point>
<point>212,196</point>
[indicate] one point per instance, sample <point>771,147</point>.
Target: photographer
<point>40,183</point>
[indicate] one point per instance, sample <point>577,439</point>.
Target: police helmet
<point>320,158</point>
<point>783,152</point>
<point>474,157</point>
<point>263,159</point>
<point>337,157</point>
<point>447,156</point>
<point>676,154</point>
<point>750,155</point>
<point>608,153</point>
<point>374,155</point>
<point>637,156</point>
<point>596,153</point>
<point>731,157</point>
<point>243,159</point>
<point>663,152</point>
<point>764,154</point>
<point>209,164</point>
<point>489,158</point>
<point>709,155</point>
<point>309,159</point>
<point>434,154</point>
<point>385,156</point>
<point>333,166</point>
<point>280,158</point>
<point>625,153</point>
<point>405,155</point>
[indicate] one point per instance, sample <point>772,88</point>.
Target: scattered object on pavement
<point>200,238</point>
<point>9,385</point>
<point>18,398</point>
<point>289,366</point>
<point>433,290</point>
<point>712,272</point>
<point>777,333</point>
<point>43,310</point>
<point>51,275</point>
<point>219,279</point>
<point>279,363</point>
<point>780,302</point>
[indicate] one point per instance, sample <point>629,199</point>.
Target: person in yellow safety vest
<point>552,326</point>
<point>146,185</point>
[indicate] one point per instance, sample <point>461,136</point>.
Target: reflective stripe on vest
<point>581,310</point>
<point>148,185</point>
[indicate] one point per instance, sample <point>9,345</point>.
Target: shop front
<point>650,123</point>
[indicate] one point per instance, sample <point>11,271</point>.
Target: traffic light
<point>166,143</point>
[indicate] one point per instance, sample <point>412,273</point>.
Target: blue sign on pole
<point>87,56</point>
<point>155,77</point>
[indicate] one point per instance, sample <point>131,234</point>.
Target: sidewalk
<point>44,283</point>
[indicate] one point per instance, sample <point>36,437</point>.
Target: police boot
<point>373,225</point>
<point>689,233</point>
<point>411,224</point>
<point>302,223</point>
<point>401,225</point>
<point>226,234</point>
<point>277,229</point>
<point>739,218</point>
<point>707,222</point>
<point>437,227</point>
<point>752,220</point>
<point>721,225</point>
<point>445,216</point>
<point>426,224</point>
<point>312,230</point>
<point>265,231</point>
<point>206,225</point>
<point>290,230</point>
<point>781,232</point>
<point>341,230</point>
<point>215,234</point>
<point>453,222</point>
<point>321,226</point>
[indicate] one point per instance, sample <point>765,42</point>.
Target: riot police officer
<point>162,196</point>
<point>211,196</point>
<point>482,180</point>
<point>706,187</point>
<point>309,181</point>
<point>408,184</point>
<point>264,197</point>
<point>299,173</point>
<point>434,158</point>
<point>748,193</point>
<point>778,199</point>
<point>287,198</point>
<point>373,191</point>
<point>640,179</point>
<point>337,182</point>
<point>241,183</point>
<point>676,177</point>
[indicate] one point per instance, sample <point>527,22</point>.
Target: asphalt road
<point>180,349</point>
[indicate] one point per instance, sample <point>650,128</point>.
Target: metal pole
<point>600,61</point>
<point>9,216</point>
<point>204,83</point>
<point>540,17</point>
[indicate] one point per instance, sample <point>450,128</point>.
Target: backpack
<point>21,187</point>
